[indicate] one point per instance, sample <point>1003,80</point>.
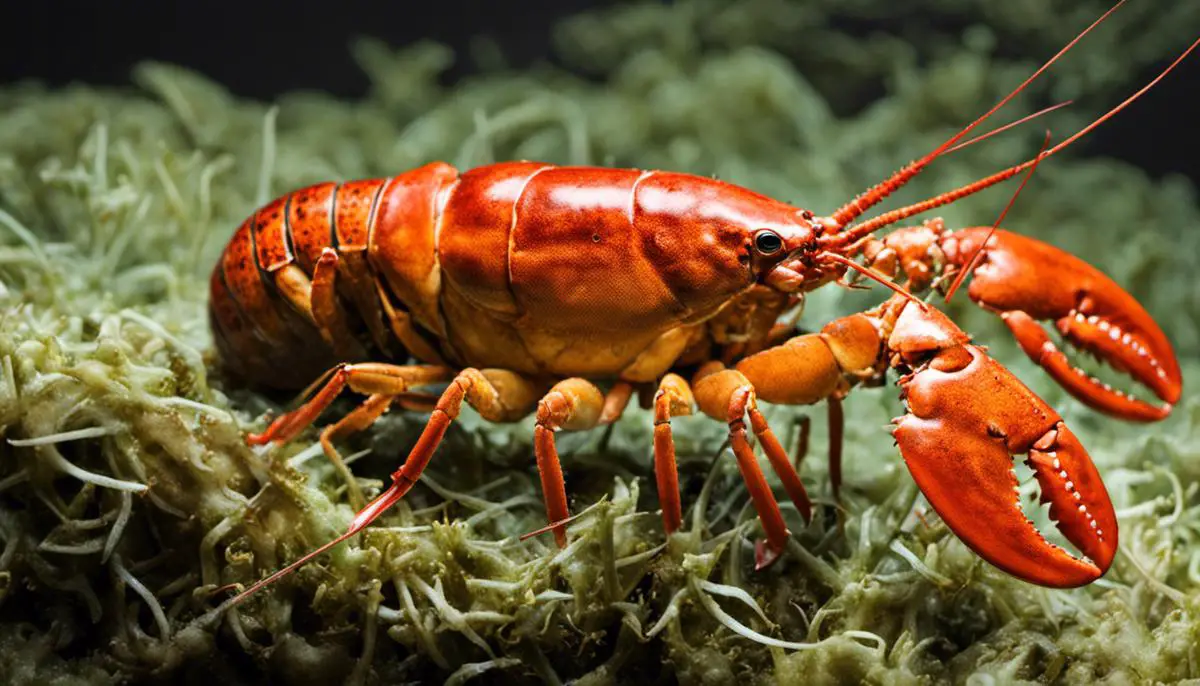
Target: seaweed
<point>130,503</point>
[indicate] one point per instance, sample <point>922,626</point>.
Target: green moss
<point>128,498</point>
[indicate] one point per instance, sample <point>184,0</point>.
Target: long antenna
<point>979,251</point>
<point>858,231</point>
<point>865,201</point>
<point>1029,117</point>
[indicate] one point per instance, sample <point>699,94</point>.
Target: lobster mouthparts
<point>1026,280</point>
<point>968,415</point>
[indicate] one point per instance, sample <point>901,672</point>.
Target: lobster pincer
<point>1026,281</point>
<point>968,416</point>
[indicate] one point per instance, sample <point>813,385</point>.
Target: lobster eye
<point>768,242</point>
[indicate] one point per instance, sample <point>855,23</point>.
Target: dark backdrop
<point>262,49</point>
<point>256,49</point>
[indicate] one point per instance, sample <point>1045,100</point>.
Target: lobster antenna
<point>971,263</point>
<point>858,231</point>
<point>865,201</point>
<point>984,136</point>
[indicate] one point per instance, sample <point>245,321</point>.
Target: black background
<point>257,49</point>
<point>260,50</point>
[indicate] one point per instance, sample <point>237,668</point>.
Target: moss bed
<point>128,499</point>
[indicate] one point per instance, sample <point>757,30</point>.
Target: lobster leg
<point>615,402</point>
<point>837,425</point>
<point>804,426</point>
<point>497,395</point>
<point>814,367</point>
<point>360,418</point>
<point>673,399</point>
<point>574,405</point>
<point>328,312</point>
<point>382,382</point>
<point>804,370</point>
<point>369,378</point>
<point>776,455</point>
<point>727,395</point>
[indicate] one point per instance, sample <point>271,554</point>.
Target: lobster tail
<point>294,284</point>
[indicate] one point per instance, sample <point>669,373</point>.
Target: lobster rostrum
<point>518,287</point>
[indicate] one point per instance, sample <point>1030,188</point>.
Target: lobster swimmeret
<point>521,284</point>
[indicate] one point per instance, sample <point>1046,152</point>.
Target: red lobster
<point>521,283</point>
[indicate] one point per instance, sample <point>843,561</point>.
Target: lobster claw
<point>1027,280</point>
<point>968,415</point>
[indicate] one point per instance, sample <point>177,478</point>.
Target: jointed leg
<point>382,382</point>
<point>574,405</point>
<point>674,399</point>
<point>369,378</point>
<point>837,425</point>
<point>777,456</point>
<point>328,312</point>
<point>497,395</point>
<point>615,402</point>
<point>820,366</point>
<point>804,425</point>
<point>360,418</point>
<point>727,395</point>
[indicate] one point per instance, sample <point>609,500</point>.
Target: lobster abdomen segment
<point>260,333</point>
<point>252,326</point>
<point>402,242</point>
<point>309,218</point>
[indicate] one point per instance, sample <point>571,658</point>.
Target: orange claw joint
<point>968,416</point>
<point>1025,280</point>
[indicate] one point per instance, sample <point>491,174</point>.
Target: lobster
<point>519,286</point>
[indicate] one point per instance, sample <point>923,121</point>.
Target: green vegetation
<point>128,499</point>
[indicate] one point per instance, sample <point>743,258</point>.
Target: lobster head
<point>793,258</point>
